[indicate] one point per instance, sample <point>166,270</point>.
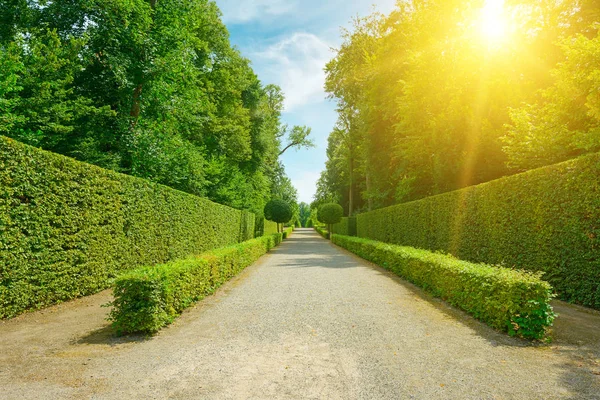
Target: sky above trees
<point>288,42</point>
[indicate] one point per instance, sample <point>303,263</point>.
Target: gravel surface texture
<point>308,321</point>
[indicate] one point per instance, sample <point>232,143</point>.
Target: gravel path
<point>307,321</point>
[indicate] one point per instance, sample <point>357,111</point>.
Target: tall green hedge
<point>546,219</point>
<point>68,228</point>
<point>347,227</point>
<point>513,301</point>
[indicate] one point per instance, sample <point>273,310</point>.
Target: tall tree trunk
<point>135,107</point>
<point>351,190</point>
<point>368,183</point>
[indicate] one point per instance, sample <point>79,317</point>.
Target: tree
<point>426,105</point>
<point>278,211</point>
<point>150,88</point>
<point>304,213</point>
<point>330,213</point>
<point>298,137</point>
<point>566,122</point>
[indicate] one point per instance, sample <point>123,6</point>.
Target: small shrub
<point>514,301</point>
<point>146,299</point>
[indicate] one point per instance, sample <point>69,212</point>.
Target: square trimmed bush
<point>517,302</point>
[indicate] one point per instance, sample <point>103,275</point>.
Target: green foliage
<point>566,123</point>
<point>330,213</point>
<point>67,229</point>
<point>152,89</point>
<point>322,231</point>
<point>427,105</point>
<point>146,299</point>
<point>304,214</point>
<point>346,227</point>
<point>270,227</point>
<point>287,232</point>
<point>278,211</point>
<point>513,301</point>
<point>542,220</point>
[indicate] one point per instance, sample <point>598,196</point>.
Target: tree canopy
<point>278,210</point>
<point>330,213</point>
<point>443,94</point>
<point>151,88</point>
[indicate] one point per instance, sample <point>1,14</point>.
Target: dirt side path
<point>308,321</point>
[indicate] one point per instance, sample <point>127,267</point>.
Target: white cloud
<point>306,185</point>
<point>242,11</point>
<point>296,63</point>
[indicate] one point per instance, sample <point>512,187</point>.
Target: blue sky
<point>289,42</point>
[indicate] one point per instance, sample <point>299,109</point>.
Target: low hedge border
<point>322,231</point>
<point>513,301</point>
<point>146,299</point>
<point>287,232</point>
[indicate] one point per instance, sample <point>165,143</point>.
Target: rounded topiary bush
<point>278,211</point>
<point>330,213</point>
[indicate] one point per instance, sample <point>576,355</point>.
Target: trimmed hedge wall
<point>149,298</point>
<point>347,226</point>
<point>514,301</point>
<point>546,219</point>
<point>68,228</point>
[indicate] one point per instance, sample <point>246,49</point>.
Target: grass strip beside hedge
<point>517,302</point>
<point>149,298</point>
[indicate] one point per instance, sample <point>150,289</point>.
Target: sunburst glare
<point>494,26</point>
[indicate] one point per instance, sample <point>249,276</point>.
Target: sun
<point>493,21</point>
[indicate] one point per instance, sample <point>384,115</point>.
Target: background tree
<point>151,88</point>
<point>429,103</point>
<point>278,211</point>
<point>304,213</point>
<point>330,213</point>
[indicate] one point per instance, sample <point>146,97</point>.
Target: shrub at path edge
<point>149,298</point>
<point>516,302</point>
<point>278,211</point>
